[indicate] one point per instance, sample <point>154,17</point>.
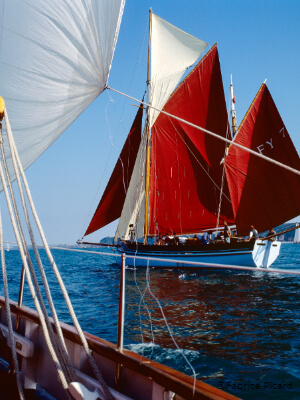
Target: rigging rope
<point>231,142</point>
<point>223,176</point>
<point>166,322</point>
<point>60,372</point>
<point>132,84</point>
<point>60,346</point>
<point>8,315</point>
<point>137,189</point>
<point>187,263</point>
<point>57,274</point>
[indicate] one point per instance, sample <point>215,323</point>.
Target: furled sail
<point>172,52</point>
<point>55,60</point>
<point>111,203</point>
<point>263,194</point>
<point>186,175</point>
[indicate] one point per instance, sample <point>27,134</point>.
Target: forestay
<point>111,203</point>
<point>54,61</point>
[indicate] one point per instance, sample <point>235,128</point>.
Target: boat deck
<point>140,378</point>
<point>191,246</point>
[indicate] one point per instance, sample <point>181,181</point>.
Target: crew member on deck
<point>253,235</point>
<point>167,239</point>
<point>211,236</point>
<point>160,241</point>
<point>175,239</point>
<point>271,233</point>
<point>227,233</point>
<point>205,238</point>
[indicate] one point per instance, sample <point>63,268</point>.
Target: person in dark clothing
<point>168,240</point>
<point>175,240</point>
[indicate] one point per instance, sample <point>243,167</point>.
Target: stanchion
<point>121,320</point>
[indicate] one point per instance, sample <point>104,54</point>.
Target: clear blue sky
<point>257,40</point>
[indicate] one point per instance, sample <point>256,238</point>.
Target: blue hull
<point>180,256</point>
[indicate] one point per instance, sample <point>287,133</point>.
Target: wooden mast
<point>233,114</point>
<point>147,177</point>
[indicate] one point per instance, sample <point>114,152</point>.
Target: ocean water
<point>235,330</point>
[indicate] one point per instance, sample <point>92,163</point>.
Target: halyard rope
<point>31,286</point>
<point>59,346</point>
<point>8,317</point>
<point>56,271</point>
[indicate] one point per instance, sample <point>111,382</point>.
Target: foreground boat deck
<point>140,377</point>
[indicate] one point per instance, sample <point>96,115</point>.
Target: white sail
<point>134,206</point>
<point>172,52</point>
<point>55,59</point>
<point>167,68</point>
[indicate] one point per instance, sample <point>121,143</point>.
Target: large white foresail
<point>172,52</point>
<point>55,60</point>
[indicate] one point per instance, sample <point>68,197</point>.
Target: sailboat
<point>55,59</point>
<point>188,173</point>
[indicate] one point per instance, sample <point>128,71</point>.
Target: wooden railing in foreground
<point>168,378</point>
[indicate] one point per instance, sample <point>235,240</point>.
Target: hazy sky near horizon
<point>257,40</point>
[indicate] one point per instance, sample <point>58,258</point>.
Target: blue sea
<point>235,330</point>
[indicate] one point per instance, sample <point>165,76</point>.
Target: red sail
<point>111,203</point>
<point>263,194</point>
<point>185,171</point>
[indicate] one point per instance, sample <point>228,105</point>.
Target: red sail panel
<point>263,194</point>
<point>185,170</point>
<point>111,203</point>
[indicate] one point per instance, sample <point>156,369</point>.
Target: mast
<point>147,177</point>
<point>233,114</point>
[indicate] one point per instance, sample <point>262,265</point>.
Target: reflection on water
<point>237,325</point>
<point>217,311</point>
<point>233,326</point>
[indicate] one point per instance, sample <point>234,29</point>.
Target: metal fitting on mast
<point>2,108</point>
